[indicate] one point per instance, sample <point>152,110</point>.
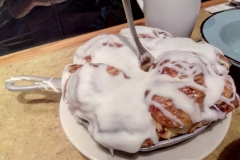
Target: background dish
<point>222,30</point>
<point>140,3</point>
<point>200,146</point>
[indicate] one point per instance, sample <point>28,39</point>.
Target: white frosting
<point>116,106</point>
<point>48,84</point>
<point>123,58</point>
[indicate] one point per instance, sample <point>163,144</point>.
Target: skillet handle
<point>39,83</point>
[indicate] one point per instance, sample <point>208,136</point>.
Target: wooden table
<point>29,121</point>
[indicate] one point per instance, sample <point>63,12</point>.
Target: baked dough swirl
<point>187,87</point>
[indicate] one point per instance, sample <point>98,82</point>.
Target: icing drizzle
<point>107,88</point>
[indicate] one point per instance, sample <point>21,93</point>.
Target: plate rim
<point>90,156</point>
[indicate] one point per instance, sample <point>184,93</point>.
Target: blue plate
<point>222,30</point>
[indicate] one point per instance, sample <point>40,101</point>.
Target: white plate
<point>140,3</point>
<point>194,149</point>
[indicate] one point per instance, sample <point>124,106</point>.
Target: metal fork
<point>145,58</point>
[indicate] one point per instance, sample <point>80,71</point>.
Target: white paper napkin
<point>220,7</point>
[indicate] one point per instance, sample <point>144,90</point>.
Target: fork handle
<point>128,12</point>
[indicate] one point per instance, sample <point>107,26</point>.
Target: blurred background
<point>28,23</point>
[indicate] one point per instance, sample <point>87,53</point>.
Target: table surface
<point>29,121</point>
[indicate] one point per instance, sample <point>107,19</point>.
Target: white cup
<point>178,17</point>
